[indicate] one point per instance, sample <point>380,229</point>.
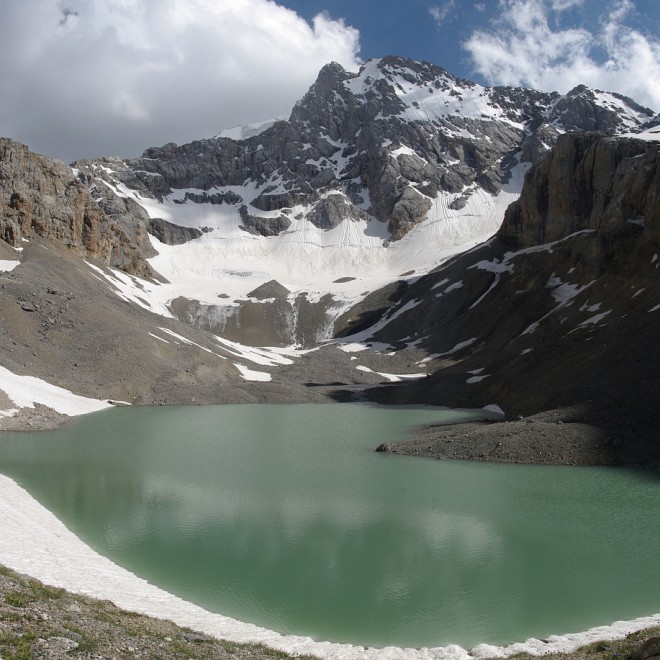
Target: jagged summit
<point>375,173</point>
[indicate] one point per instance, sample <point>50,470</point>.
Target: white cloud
<point>83,78</point>
<point>521,48</point>
<point>480,6</point>
<point>440,13</point>
<point>563,5</point>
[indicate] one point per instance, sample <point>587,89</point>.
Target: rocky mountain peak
<point>399,150</point>
<point>392,138</point>
<point>584,109</point>
<point>42,197</point>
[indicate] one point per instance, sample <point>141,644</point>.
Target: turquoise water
<point>284,516</point>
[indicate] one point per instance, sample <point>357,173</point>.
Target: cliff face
<point>43,197</point>
<point>561,308</point>
<point>587,182</point>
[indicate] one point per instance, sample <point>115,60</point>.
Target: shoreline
<point>34,542</point>
<point>562,436</point>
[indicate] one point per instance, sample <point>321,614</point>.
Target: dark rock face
<point>171,234</point>
<point>261,226</point>
<point>332,211</point>
<point>561,309</point>
<point>272,289</point>
<point>373,307</point>
<point>43,197</point>
<point>586,182</point>
<point>272,319</point>
<point>389,139</point>
<point>647,650</point>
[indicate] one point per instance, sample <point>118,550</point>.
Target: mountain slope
<point>374,175</point>
<point>561,308</point>
<point>373,218</point>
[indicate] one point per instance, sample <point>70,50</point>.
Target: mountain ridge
<point>359,222</point>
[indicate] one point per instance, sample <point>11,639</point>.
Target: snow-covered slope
<point>376,176</point>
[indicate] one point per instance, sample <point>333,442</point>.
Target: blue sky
<point>407,28</point>
<point>85,78</point>
<point>439,31</point>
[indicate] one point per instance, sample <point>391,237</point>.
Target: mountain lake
<point>284,516</point>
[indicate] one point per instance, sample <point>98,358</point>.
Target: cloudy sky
<point>83,78</point>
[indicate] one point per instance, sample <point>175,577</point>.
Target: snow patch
<point>476,379</point>
<point>251,374</point>
<point>494,408</point>
<point>393,378</point>
<point>594,319</point>
<point>268,357</point>
<point>353,347</point>
<point>26,391</point>
<point>461,345</point>
<point>7,265</point>
<point>184,340</point>
<point>245,131</point>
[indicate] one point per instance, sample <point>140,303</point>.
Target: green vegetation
<point>620,649</point>
<point>47,622</point>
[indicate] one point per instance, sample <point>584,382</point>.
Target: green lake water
<point>284,516</point>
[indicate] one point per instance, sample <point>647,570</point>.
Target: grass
<point>35,617</point>
<point>619,649</point>
<point>32,613</point>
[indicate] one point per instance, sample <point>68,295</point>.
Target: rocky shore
<point>556,437</point>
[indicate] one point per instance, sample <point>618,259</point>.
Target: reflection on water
<point>284,516</point>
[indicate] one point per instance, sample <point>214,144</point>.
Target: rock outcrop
<point>171,234</point>
<point>587,182</point>
<point>43,197</point>
<point>561,309</point>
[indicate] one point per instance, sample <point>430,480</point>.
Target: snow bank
<point>7,265</point>
<point>26,391</point>
<point>34,542</point>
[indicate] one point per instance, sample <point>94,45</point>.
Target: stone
<point>41,196</point>
<point>647,650</point>
<point>271,289</point>
<point>171,234</point>
<point>262,226</point>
